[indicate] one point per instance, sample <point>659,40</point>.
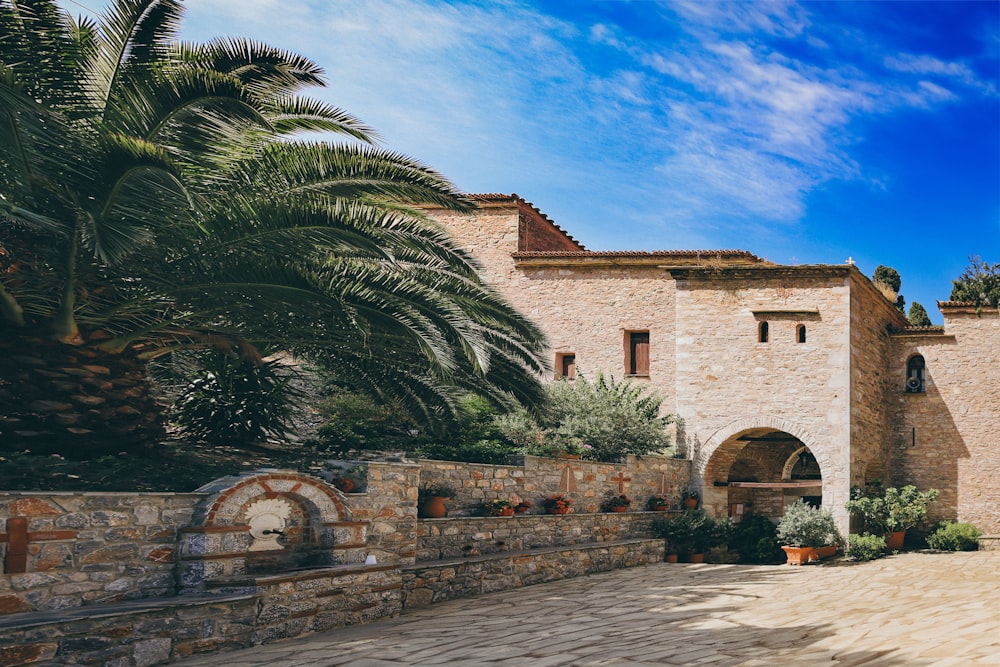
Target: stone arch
<point>226,536</point>
<point>323,501</point>
<point>716,456</point>
<point>772,422</point>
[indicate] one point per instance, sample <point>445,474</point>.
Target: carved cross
<point>568,482</point>
<point>17,538</point>
<point>662,487</point>
<point>621,479</point>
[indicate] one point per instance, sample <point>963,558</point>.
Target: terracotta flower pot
<point>507,511</point>
<point>558,510</point>
<point>618,508</point>
<point>432,508</point>
<point>804,555</point>
<point>671,558</point>
<point>690,503</point>
<point>894,540</point>
<point>659,508</point>
<point>694,558</point>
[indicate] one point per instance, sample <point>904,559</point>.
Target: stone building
<point>785,381</point>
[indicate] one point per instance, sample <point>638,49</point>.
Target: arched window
<point>915,375</point>
<point>800,333</point>
<point>762,332</point>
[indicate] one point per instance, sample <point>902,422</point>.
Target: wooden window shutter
<point>639,353</point>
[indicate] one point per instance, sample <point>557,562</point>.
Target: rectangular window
<point>566,365</point>
<point>637,353</point>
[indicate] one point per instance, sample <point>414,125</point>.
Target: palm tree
<point>157,197</point>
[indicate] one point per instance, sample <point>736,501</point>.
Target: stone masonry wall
<point>428,582</point>
<point>584,311</point>
<point>733,383</point>
<point>946,437</point>
<point>587,483</point>
<point>873,380</point>
<point>474,536</point>
<point>91,548</point>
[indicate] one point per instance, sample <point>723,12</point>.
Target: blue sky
<point>805,133</point>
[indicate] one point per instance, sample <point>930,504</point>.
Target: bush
<point>482,451</point>
<point>865,547</point>
<point>890,510</point>
<point>951,536</point>
<point>356,422</point>
<point>756,538</point>
<point>807,526</point>
<point>236,401</point>
<point>610,419</point>
<point>692,531</point>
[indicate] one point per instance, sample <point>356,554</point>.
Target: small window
<point>762,332</point>
<point>915,375</point>
<point>637,353</point>
<point>566,365</point>
<point>800,333</point>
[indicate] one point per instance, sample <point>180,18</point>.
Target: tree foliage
<point>156,196</point>
<point>613,419</point>
<point>918,315</point>
<point>889,279</point>
<point>979,284</point>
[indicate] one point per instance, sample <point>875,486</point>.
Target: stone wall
<point>734,384</point>
<point>428,582</point>
<point>475,536</point>
<point>534,478</point>
<point>242,612</point>
<point>946,437</point>
<point>874,380</point>
<point>130,635</point>
<point>90,548</point>
<point>96,548</point>
<point>582,309</point>
<point>299,603</point>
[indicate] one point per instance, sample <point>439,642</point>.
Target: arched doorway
<point>760,471</point>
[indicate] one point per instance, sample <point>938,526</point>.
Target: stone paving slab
<point>910,609</point>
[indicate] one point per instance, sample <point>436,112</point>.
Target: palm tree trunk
<point>78,401</point>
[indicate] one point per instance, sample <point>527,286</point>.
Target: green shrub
<point>865,547</point>
<point>610,419</point>
<point>890,510</point>
<point>807,526</point>
<point>480,451</point>
<point>692,531</point>
<point>756,538</point>
<point>951,536</point>
<point>235,401</point>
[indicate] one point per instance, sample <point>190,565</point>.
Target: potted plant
<point>891,512</point>
<point>807,534</point>
<point>346,477</point>
<point>557,504</point>
<point>690,499</point>
<point>498,508</point>
<point>618,503</point>
<point>658,503</point>
<point>691,534</point>
<point>431,499</point>
<point>522,507</point>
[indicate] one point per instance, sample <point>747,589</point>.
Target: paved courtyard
<point>910,609</point>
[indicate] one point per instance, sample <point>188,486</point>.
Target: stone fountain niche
<point>267,522</point>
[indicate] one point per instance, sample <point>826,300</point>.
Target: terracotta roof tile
<point>700,254</point>
<point>494,196</point>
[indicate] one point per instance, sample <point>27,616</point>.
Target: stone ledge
<point>989,542</point>
<point>428,582</point>
<point>540,551</point>
<point>98,611</point>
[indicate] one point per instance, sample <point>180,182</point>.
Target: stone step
<point>427,582</point>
